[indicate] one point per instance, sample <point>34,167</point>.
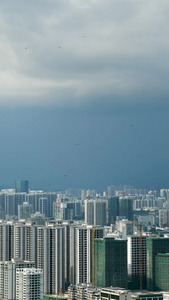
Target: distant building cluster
<point>80,244</point>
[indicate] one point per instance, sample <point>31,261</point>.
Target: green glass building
<point>55,297</point>
<point>155,246</point>
<point>110,262</point>
<point>162,271</point>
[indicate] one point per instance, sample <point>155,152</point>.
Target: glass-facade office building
<point>21,186</point>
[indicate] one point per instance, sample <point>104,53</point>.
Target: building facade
<point>110,262</point>
<point>29,284</point>
<point>154,246</point>
<point>137,261</point>
<point>96,212</point>
<point>8,277</point>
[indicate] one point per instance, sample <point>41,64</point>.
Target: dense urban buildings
<point>83,242</point>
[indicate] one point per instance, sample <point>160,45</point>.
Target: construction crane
<point>141,259</point>
<point>93,240</point>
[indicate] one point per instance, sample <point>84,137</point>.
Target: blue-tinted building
<point>21,186</point>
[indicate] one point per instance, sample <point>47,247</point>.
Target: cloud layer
<point>71,51</point>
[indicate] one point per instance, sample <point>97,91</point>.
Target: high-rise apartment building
<point>51,257</point>
<point>59,210</point>
<point>96,212</point>
<point>6,241</point>
<point>137,261</point>
<point>81,252</point>
<point>24,211</point>
<point>163,217</point>
<point>40,201</point>
<point>62,249</point>
<point>24,240</point>
<point>8,277</point>
<point>29,284</point>
<point>43,206</point>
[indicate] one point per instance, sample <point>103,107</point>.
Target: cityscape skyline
<point>62,243</point>
<point>84,153</point>
<point>50,188</point>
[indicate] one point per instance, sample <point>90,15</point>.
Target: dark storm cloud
<point>53,49</point>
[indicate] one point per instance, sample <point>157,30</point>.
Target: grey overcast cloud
<point>84,92</point>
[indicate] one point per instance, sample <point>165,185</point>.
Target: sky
<point>84,93</point>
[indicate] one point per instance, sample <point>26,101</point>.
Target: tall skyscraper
<point>21,186</point>
<point>29,284</point>
<point>110,262</point>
